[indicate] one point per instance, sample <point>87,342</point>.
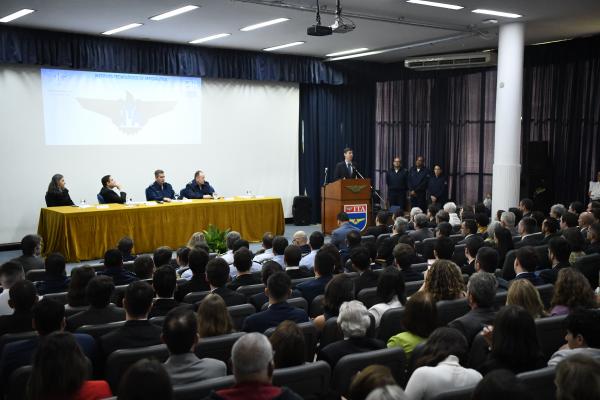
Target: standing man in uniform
<point>345,169</point>
<point>396,180</point>
<point>437,188</point>
<point>418,178</point>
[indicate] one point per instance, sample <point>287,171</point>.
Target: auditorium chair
<point>298,302</point>
<point>456,238</point>
<point>212,256</point>
<point>367,239</point>
<point>546,291</point>
<point>310,380</point>
<point>17,384</point>
<point>390,324</point>
<point>448,310</point>
<point>419,247</point>
<point>296,282</point>
<point>218,347</point>
<point>508,268</point>
<point>59,297</point>
<point>349,365</point>
<point>478,352</point>
<point>15,337</point>
<point>251,290</point>
<point>118,294</point>
<point>368,297</point>
<point>128,265</point>
<point>69,311</point>
<point>551,333</point>
<point>500,299</point>
<point>332,333</point>
<point>316,306</point>
<point>195,297</point>
<point>428,246</point>
<point>158,321</point>
<point>516,239</point>
<point>456,394</point>
<point>309,330</point>
<point>239,313</point>
<point>540,382</point>
<point>120,360</point>
<point>542,256</point>
<point>35,275</point>
<point>412,287</point>
<point>96,331</point>
<point>97,266</point>
<point>100,199</point>
<point>589,266</point>
<point>419,267</point>
<point>201,389</point>
<point>458,257</point>
<point>412,359</point>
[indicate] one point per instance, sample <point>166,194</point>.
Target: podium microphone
<point>325,180</point>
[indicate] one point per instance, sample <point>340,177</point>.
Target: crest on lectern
<point>357,214</point>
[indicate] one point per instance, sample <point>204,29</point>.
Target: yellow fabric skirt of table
<point>86,233</point>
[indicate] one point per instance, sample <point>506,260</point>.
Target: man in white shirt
<point>10,273</point>
<point>315,240</point>
<point>267,244</point>
<point>230,239</point>
<point>594,191</point>
<point>583,335</point>
<point>279,245</point>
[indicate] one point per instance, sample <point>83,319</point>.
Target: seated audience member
<point>292,256</point>
<point>279,245</point>
<point>390,290</point>
<point>243,244</point>
<point>217,275</point>
<point>213,318</point>
<point>507,220</point>
<point>472,246</point>
<point>22,297</point>
<point>481,290</point>
<point>572,290</point>
<point>199,188</point>
<point>180,334</point>
<point>443,281</point>
<point>125,246</point>
<point>576,242</point>
<point>387,392</point>
<point>550,229</point>
<point>146,379</point>
<point>137,331</point>
<point>160,190</point>
<point>334,253</point>
<point>419,320</point>
<point>501,384</point>
<point>381,225</point>
<point>60,371</point>
<point>57,194</point>
<point>197,259</point>
<point>55,280</point>
<point>288,345</point>
<point>279,288</point>
<point>593,236</point>
<point>439,368</point>
<point>31,246</point>
<point>443,249</point>
<point>525,264</point>
<point>143,267</point>
<point>268,268</point>
<point>503,243</point>
<point>252,362</point>
<point>578,377</point>
<point>315,240</point>
<point>324,264</point>
<point>338,236</point>
<point>576,207</point>
<point>163,282</point>
<point>558,254</point>
<point>468,228</point>
<point>586,219</point>
<point>513,342</point>
<point>372,377</point>
<point>11,272</point>
<point>361,263</point>
<point>354,321</point>
<point>113,268</point>
<point>48,317</point>
<point>583,336</point>
<point>182,259</point>
<point>100,311</point>
<point>486,260</point>
<point>527,227</point>
<point>111,191</point>
<point>522,293</point>
<point>450,208</point>
<point>242,262</point>
<point>442,216</point>
<point>518,214</point>
<point>300,239</point>
<point>444,229</point>
<point>569,222</point>
<point>266,252</point>
<point>482,221</point>
<point>432,210</point>
<point>163,255</point>
<point>80,276</point>
<point>197,239</point>
<point>403,258</point>
<point>230,239</point>
<point>491,233</point>
<point>339,290</point>
<point>421,231</point>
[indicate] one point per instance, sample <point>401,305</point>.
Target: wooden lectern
<point>350,195</point>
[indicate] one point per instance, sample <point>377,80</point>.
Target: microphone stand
<point>372,188</point>
<point>325,180</point>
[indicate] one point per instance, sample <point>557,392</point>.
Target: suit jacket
<point>135,333</point>
<point>243,280</point>
<point>273,316</point>
<point>531,277</point>
<point>231,297</point>
<point>313,288</point>
<point>110,196</point>
<point>550,275</point>
<point>421,234</point>
<point>469,268</point>
<point>95,316</point>
<point>341,171</point>
<point>473,322</point>
<point>17,322</point>
<point>161,307</point>
<point>547,238</point>
<point>196,284</point>
<point>338,236</point>
<point>30,262</point>
<point>119,275</point>
<point>259,299</point>
<point>336,350</point>
<point>376,230</point>
<point>397,181</point>
<point>529,241</point>
<point>418,180</point>
<point>187,368</point>
<point>366,279</point>
<point>52,284</point>
<point>593,248</point>
<point>58,198</point>
<point>411,275</point>
<point>298,273</point>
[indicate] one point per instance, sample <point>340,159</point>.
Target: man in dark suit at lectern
<point>345,169</point>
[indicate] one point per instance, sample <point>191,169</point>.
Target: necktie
<point>349,169</point>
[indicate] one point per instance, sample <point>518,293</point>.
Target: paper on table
<point>102,206</point>
<point>84,206</point>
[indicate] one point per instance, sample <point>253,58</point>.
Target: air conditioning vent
<point>448,61</point>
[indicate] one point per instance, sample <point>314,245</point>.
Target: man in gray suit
<point>421,231</point>
<point>180,334</point>
<point>338,236</point>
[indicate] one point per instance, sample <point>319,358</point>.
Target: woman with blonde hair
<point>522,293</point>
<point>444,281</point>
<point>213,317</point>
<point>572,290</point>
<point>196,239</point>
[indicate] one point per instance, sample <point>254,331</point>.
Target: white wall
<point>249,142</point>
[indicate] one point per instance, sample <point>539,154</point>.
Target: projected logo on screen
<point>357,214</point>
<point>128,114</point>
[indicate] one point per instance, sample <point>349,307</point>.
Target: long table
<point>86,233</point>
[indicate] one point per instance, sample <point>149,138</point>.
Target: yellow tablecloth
<point>86,233</point>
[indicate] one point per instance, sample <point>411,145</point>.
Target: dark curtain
<point>332,118</point>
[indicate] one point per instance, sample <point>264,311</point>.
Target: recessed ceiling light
<point>207,38</point>
<point>283,46</point>
<point>551,41</point>
<point>341,53</point>
<point>436,4</point>
<point>490,21</point>
<point>497,13</point>
<point>173,13</point>
<point>15,15</point>
<point>263,24</point>
<point>368,53</point>
<point>121,29</point>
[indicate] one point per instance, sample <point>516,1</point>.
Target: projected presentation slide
<point>97,108</point>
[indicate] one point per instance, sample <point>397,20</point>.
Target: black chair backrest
<point>551,333</point>
<point>296,282</point>
<point>17,383</point>
<point>478,353</point>
<point>368,297</point>
<point>589,266</point>
<point>59,297</point>
<point>298,302</point>
<point>194,297</point>
<point>456,394</point>
<point>98,330</point>
<point>456,238</point>
<point>420,267</point>
<point>428,246</point>
<point>316,306</point>
<point>35,275</point>
<point>448,310</point>
<point>540,382</point>
<point>419,247</point>
<point>508,268</point>
<point>239,313</point>
<point>412,287</point>
<point>118,361</point>
<point>412,359</point>
<point>349,365</point>
<point>117,295</point>
<point>311,336</point>
<point>459,255</point>
<point>15,337</point>
<point>158,321</point>
<point>218,347</point>
<point>128,265</point>
<point>74,310</point>
<point>250,290</point>
<point>310,381</point>
<point>542,257</point>
<point>546,292</point>
<point>516,239</point>
<point>391,323</point>
<point>331,333</point>
<point>201,389</point>
<point>367,239</point>
<point>500,299</point>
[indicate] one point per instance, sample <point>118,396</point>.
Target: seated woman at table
<point>58,194</point>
